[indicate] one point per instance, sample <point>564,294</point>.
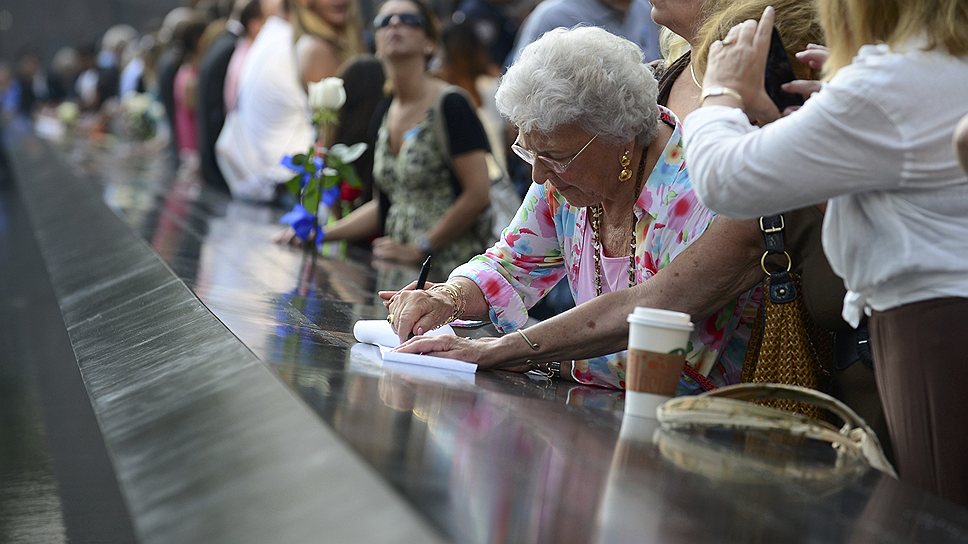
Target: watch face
<point>423,245</point>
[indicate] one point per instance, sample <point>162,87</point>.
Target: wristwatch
<point>549,370</point>
<point>719,90</point>
<point>423,244</point>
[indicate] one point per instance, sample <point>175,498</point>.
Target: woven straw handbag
<point>786,346</point>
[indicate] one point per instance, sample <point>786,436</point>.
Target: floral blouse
<point>417,180</point>
<point>544,243</point>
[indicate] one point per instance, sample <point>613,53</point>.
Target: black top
<point>167,68</point>
<point>211,104</point>
<point>465,133</point>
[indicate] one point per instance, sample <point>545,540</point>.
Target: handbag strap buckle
<point>772,223</point>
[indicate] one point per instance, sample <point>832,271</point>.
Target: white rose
<point>327,94</point>
<point>68,112</point>
<point>136,103</point>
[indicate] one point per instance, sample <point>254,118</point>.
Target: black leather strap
<point>782,287</point>
<point>772,227</point>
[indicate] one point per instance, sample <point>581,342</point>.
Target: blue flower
<point>331,196</point>
<point>301,221</point>
<point>290,163</point>
<point>305,175</point>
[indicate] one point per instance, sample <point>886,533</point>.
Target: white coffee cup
<point>658,342</point>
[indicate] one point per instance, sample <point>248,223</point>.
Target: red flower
<point>348,193</point>
<point>681,207</point>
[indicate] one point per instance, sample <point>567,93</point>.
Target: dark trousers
<point>921,363</point>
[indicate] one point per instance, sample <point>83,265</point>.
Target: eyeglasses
<point>557,166</point>
<point>414,20</point>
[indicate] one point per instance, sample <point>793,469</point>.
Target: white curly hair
<point>582,76</point>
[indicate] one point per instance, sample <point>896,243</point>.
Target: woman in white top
<point>876,143</point>
<point>271,118</point>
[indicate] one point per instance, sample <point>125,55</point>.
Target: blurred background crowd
<point>172,73</point>
<point>188,56</point>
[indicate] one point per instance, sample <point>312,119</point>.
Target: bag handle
<point>773,391</point>
<point>731,406</point>
<point>782,288</point>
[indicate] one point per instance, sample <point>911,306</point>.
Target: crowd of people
<point>642,175</point>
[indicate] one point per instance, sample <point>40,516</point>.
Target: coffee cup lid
<point>661,318</point>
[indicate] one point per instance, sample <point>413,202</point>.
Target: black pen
<point>424,272</point>
<point>422,278</point>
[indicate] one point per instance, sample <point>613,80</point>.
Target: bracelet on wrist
<point>719,90</point>
<point>533,345</point>
<point>549,370</point>
<point>456,293</point>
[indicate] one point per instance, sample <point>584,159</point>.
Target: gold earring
<point>626,160</point>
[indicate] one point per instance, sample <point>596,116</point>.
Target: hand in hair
<point>738,62</point>
<point>813,56</point>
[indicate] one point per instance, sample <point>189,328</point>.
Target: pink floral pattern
<point>544,244</point>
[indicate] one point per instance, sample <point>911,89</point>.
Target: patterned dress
<point>545,242</point>
<point>418,183</point>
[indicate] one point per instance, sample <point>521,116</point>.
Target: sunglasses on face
<point>414,20</point>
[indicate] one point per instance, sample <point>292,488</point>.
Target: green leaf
<point>293,185</point>
<point>351,177</point>
<point>331,180</point>
<point>333,161</point>
<point>310,198</point>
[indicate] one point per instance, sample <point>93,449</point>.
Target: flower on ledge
<point>322,174</point>
<point>140,115</point>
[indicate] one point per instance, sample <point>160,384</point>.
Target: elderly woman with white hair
<point>611,207</point>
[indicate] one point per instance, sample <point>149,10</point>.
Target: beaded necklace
<point>597,212</point>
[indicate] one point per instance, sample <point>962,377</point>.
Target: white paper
<point>378,331</point>
<point>366,359</point>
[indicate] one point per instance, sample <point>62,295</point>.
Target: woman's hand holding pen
<point>417,311</point>
<point>407,309</point>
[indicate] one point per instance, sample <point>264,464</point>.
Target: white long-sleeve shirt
<point>271,118</point>
<point>876,142</point>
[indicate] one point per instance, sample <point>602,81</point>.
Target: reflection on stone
<point>502,457</point>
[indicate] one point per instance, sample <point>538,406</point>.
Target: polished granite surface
<point>205,443</point>
<point>491,457</point>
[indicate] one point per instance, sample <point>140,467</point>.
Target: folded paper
<point>378,331</point>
